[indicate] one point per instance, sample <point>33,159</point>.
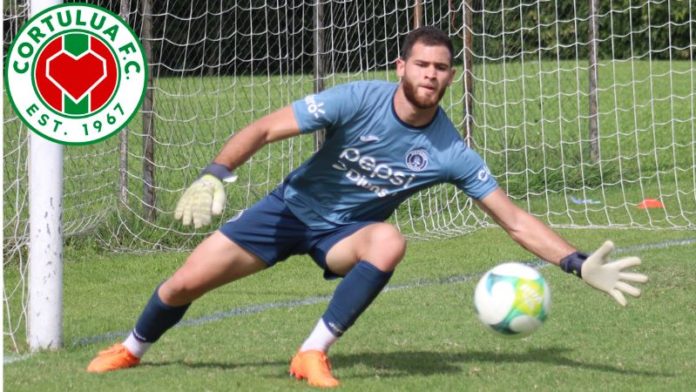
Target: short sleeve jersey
<point>371,161</point>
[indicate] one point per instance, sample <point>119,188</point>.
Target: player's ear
<point>400,66</point>
<point>453,71</point>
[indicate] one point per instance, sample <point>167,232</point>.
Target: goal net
<point>582,110</point>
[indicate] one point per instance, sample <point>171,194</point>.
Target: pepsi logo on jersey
<point>368,168</point>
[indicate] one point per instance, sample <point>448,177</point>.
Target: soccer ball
<point>512,299</point>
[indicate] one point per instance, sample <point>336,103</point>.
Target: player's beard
<point>411,93</point>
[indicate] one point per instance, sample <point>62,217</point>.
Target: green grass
<point>423,336</point>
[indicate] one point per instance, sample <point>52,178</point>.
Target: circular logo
<point>417,160</point>
<point>76,74</point>
<point>483,173</point>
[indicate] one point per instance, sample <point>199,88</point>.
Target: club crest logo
<point>417,160</point>
<point>76,74</point>
<point>484,173</point>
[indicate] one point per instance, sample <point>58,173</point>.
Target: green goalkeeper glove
<point>602,274</point>
<point>205,197</point>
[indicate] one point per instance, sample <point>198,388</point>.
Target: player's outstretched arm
<point>596,270</point>
<point>206,196</point>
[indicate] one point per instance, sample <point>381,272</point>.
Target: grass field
<point>421,334</point>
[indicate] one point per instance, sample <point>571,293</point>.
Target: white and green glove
<point>205,197</point>
<point>602,274</point>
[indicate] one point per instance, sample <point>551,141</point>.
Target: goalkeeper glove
<point>205,197</point>
<point>597,271</point>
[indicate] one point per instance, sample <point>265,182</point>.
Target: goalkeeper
<point>384,142</point>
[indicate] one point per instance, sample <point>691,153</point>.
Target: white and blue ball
<point>512,299</point>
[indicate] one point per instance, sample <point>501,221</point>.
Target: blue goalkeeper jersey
<point>371,161</point>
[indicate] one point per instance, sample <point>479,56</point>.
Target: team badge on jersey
<point>417,160</point>
<point>484,173</point>
<point>76,73</point>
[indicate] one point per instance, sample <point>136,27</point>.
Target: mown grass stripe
<point>418,283</point>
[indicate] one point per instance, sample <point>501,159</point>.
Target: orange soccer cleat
<point>114,358</point>
<point>314,366</point>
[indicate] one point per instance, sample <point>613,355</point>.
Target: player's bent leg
<point>216,261</point>
<point>370,255</point>
<point>367,258</point>
<point>381,244</point>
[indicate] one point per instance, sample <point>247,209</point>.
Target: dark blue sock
<point>353,295</point>
<point>157,318</point>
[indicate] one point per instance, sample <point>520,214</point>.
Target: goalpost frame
<point>45,305</point>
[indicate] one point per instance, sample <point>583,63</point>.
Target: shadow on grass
<point>397,364</point>
<point>409,363</point>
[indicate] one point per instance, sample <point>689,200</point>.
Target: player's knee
<point>388,247</point>
<point>176,291</point>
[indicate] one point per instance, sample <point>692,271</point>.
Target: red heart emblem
<point>76,76</point>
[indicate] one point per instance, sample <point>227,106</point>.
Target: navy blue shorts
<point>269,230</point>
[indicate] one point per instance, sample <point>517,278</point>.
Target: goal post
<point>45,177</point>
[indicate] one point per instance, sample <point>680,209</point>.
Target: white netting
<point>217,65</point>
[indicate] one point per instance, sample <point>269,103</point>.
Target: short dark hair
<point>427,35</point>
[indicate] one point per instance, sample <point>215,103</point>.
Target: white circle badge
<point>76,74</point>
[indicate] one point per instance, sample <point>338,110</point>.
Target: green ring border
<point>129,29</point>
